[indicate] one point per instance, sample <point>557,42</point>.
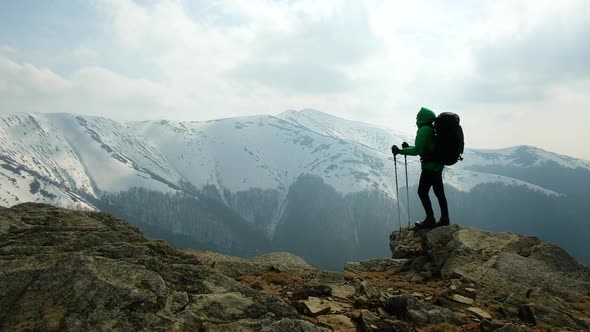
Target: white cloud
<point>85,52</point>
<point>375,61</point>
<point>28,81</point>
<point>90,90</point>
<point>7,49</point>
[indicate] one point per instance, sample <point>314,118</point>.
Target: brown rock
<point>343,291</point>
<point>338,323</point>
<point>368,320</point>
<point>479,312</point>
<point>316,306</point>
<point>462,299</point>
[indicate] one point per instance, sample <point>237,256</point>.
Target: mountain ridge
<point>171,176</point>
<point>264,170</point>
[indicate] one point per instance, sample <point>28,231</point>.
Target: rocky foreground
<point>63,270</point>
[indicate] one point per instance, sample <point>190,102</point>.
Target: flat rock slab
<point>337,307</point>
<point>235,267</point>
<point>338,323</point>
<point>316,306</point>
<point>462,299</point>
<point>343,291</point>
<point>479,312</point>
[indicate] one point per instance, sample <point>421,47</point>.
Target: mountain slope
<point>276,175</point>
<point>90,155</point>
<point>375,137</point>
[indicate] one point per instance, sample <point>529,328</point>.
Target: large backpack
<point>449,138</point>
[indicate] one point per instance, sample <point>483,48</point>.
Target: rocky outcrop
<point>524,278</point>
<point>236,267</point>
<point>64,270</point>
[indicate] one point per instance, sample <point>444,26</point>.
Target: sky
<point>516,71</point>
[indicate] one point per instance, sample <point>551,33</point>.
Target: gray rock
<point>490,325</point>
<point>399,305</point>
<point>377,265</point>
<point>461,251</point>
<point>291,325</point>
<point>368,319</point>
<point>342,291</point>
<point>65,270</point>
<point>395,325</point>
<point>235,267</point>
<point>505,268</point>
<point>525,313</point>
<point>339,323</point>
<point>408,308</point>
<point>510,328</point>
<point>316,306</point>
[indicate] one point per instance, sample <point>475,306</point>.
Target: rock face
<point>537,282</point>
<point>64,270</point>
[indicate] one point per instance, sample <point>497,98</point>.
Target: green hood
<point>425,117</point>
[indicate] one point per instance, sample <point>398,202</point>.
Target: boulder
<point>408,308</point>
<point>315,306</point>
<point>368,320</point>
<point>535,282</point>
<point>235,267</point>
<point>515,261</point>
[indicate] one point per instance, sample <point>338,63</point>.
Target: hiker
<point>431,175</point>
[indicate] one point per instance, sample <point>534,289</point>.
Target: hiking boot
<point>444,221</point>
<point>429,222</point>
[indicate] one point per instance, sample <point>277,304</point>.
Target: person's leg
<point>423,189</point>
<point>439,191</point>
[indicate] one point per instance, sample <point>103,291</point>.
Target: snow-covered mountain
<point>73,160</point>
<point>70,155</point>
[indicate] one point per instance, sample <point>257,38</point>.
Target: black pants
<point>432,179</point>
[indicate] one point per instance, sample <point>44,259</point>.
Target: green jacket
<point>425,142</point>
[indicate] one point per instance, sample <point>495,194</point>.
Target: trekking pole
<point>407,190</point>
<point>399,218</point>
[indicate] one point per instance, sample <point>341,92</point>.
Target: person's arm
<point>420,145</point>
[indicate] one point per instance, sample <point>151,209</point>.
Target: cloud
<point>314,54</point>
<point>28,81</point>
<point>373,61</point>
<point>209,66</point>
<point>90,90</point>
<point>7,49</point>
<point>543,46</point>
<point>85,52</point>
<point>293,78</point>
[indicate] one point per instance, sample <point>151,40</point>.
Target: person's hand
<point>405,145</point>
<point>395,150</point>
